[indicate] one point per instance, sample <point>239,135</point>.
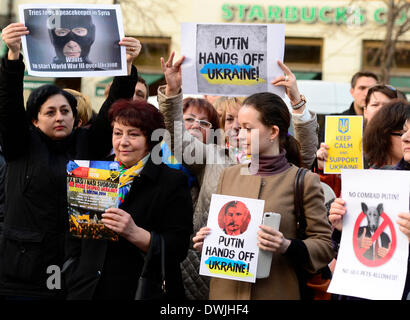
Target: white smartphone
<point>270,219</point>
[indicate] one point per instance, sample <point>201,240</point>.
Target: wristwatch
<point>300,104</point>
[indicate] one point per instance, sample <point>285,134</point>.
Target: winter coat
<point>159,201</point>
<point>36,218</point>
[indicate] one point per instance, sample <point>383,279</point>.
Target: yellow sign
<point>344,138</point>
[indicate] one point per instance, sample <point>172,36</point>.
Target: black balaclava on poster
<point>85,42</point>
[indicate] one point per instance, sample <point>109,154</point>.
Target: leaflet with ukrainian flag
<point>230,251</point>
<point>231,59</point>
<point>92,187</point>
<point>343,135</point>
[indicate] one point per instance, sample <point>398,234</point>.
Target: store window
<point>400,70</point>
<point>401,61</point>
<point>153,48</point>
<point>304,57</point>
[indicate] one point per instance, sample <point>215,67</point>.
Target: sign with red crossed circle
<point>376,261</point>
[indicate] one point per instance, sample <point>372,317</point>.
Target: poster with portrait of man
<point>230,251</point>
<point>73,40</point>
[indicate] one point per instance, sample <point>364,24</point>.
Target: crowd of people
<point>235,146</point>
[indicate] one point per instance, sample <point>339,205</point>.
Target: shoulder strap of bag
<point>298,202</point>
<point>164,288</point>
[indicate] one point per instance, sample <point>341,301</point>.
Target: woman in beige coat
<point>207,161</point>
<point>264,117</point>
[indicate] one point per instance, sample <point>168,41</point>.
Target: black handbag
<point>312,286</point>
<point>152,286</point>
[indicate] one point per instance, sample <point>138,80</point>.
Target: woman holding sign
<point>37,143</point>
<point>154,202</point>
<point>338,209</point>
<point>264,117</point>
<point>207,161</point>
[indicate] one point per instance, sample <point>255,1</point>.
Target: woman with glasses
<point>207,161</point>
<point>199,118</point>
<point>338,209</point>
<point>381,139</point>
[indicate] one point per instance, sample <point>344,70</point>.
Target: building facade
<point>325,39</point>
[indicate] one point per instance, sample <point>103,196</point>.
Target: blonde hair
<point>84,108</point>
<point>222,104</point>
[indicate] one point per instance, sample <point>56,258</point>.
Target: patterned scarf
<point>127,176</point>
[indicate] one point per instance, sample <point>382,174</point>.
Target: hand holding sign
<point>336,213</point>
<point>172,73</point>
<point>198,240</point>
<point>322,155</point>
<point>132,50</point>
<point>11,36</point>
<point>404,223</point>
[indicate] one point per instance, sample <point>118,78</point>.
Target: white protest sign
<point>67,40</point>
<point>230,251</point>
<point>231,59</point>
<point>373,255</point>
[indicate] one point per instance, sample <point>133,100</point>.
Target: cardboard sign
<point>231,250</point>
<point>343,135</point>
<point>231,59</point>
<point>373,255</point>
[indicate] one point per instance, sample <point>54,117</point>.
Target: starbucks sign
<point>353,15</point>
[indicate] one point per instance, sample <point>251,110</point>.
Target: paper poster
<point>373,255</point>
<point>343,135</point>
<point>92,187</point>
<point>73,40</point>
<point>231,250</point>
<point>231,59</point>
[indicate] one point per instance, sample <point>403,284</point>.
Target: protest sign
<point>231,250</point>
<point>231,59</point>
<point>373,255</point>
<point>343,135</point>
<point>92,187</point>
<point>73,40</point>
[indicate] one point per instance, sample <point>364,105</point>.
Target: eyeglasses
<point>399,134</point>
<point>202,123</point>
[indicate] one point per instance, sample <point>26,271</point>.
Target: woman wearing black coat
<point>37,144</point>
<point>154,201</point>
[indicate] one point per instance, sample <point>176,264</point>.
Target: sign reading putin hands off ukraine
<point>343,135</point>
<point>231,59</point>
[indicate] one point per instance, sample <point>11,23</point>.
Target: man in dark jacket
<point>360,84</point>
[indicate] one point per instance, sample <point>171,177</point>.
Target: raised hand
<point>11,36</point>
<point>173,74</point>
<point>289,82</point>
<point>133,49</point>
